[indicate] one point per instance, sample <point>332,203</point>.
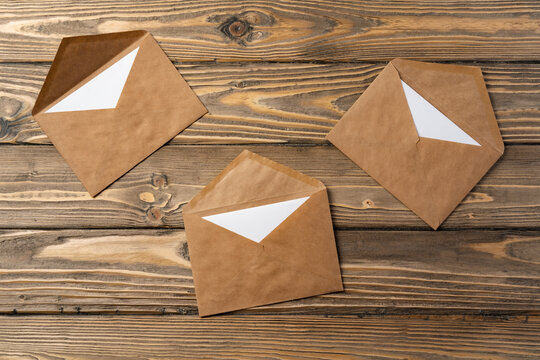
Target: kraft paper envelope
<point>260,233</point>
<point>426,132</point>
<point>111,100</point>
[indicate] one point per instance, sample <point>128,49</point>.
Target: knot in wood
<point>238,28</point>
<point>159,181</point>
<point>154,214</point>
<point>235,28</point>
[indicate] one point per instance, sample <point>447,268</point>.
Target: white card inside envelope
<point>257,222</point>
<point>101,92</point>
<point>431,123</point>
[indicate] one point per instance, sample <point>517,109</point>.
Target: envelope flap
<point>78,58</point>
<point>251,178</point>
<point>305,240</point>
<point>457,91</point>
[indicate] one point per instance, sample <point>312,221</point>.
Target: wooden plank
<point>287,30</point>
<point>39,190</point>
<point>275,337</point>
<point>279,103</point>
<point>388,272</point>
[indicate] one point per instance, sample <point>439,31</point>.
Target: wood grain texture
<point>39,190</point>
<point>279,103</point>
<point>285,30</point>
<point>278,73</point>
<point>384,272</point>
<point>267,337</point>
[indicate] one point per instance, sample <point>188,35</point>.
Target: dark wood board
<point>317,30</point>
<point>384,272</point>
<point>39,190</point>
<point>279,102</point>
<point>268,337</point>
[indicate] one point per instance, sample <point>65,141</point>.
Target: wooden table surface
<point>110,278</point>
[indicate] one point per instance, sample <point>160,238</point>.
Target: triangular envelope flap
<point>102,91</point>
<point>156,104</point>
<point>77,58</point>
<point>442,162</point>
<point>251,178</point>
<point>306,240</point>
<point>457,91</point>
<point>431,123</point>
<point>255,223</point>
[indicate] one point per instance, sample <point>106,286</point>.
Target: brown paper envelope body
<point>155,105</point>
<point>429,176</point>
<point>296,260</point>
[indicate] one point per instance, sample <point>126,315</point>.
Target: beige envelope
<point>111,100</point>
<point>426,132</point>
<point>260,233</point>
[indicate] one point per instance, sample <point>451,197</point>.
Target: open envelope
<point>260,233</point>
<point>426,132</point>
<point>111,100</point>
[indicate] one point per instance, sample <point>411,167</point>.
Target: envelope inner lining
<point>101,92</point>
<point>257,222</point>
<point>431,123</point>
